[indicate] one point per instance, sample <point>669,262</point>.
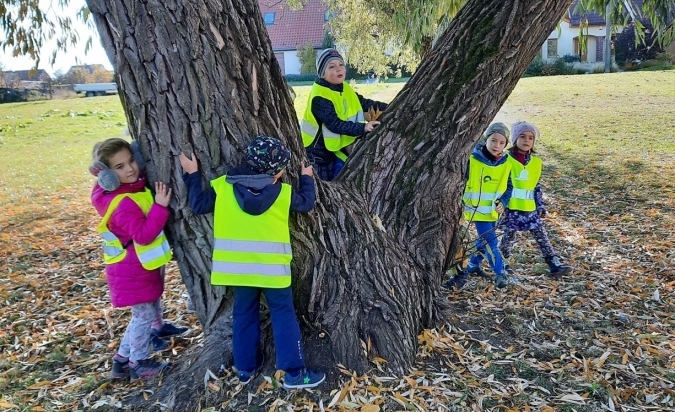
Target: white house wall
<point>291,62</point>
<point>566,36</point>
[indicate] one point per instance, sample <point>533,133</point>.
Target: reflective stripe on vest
<point>485,185</point>
<point>250,250</point>
<point>252,269</point>
<point>152,256</point>
<point>524,179</point>
<point>347,108</point>
<point>251,246</point>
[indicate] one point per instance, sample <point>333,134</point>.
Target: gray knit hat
<point>267,155</point>
<point>497,127</point>
<point>323,58</point>
<point>521,127</point>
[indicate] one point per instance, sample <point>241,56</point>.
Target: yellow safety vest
<point>250,250</point>
<point>486,184</point>
<point>152,256</point>
<point>524,179</point>
<point>347,107</point>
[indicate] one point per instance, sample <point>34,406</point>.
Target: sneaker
<point>509,271</point>
<point>556,268</point>
<point>458,281</point>
<point>477,271</point>
<point>120,368</point>
<point>501,281</point>
<point>246,377</point>
<point>168,329</point>
<point>305,379</point>
<point>146,369</point>
<point>158,344</point>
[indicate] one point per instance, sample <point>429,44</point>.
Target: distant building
<point>292,29</point>
<point>87,73</point>
<point>88,68</point>
<point>25,79</point>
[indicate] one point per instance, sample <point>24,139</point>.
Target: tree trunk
<point>202,78</point>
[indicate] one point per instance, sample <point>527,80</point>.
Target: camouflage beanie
<point>267,155</point>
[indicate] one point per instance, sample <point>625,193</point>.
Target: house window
<point>269,19</point>
<point>552,48</point>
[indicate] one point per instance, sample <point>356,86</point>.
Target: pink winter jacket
<point>129,282</point>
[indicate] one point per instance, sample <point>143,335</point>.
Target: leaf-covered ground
<point>602,338</point>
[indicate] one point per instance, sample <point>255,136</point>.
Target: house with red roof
<point>292,29</point>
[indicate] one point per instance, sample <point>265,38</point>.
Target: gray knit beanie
<point>498,127</point>
<point>521,127</point>
<point>323,58</point>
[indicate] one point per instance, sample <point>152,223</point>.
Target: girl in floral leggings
<point>526,208</point>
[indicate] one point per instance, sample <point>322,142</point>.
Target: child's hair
<point>106,149</point>
<point>520,128</point>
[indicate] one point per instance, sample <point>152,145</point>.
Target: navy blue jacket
<point>254,192</point>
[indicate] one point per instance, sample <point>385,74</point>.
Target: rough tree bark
<point>202,77</point>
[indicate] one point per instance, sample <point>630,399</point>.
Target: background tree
<point>307,57</point>
<point>380,34</point>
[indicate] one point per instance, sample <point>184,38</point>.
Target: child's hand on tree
<point>371,125</point>
<point>188,164</point>
<point>162,194</point>
<point>307,170</point>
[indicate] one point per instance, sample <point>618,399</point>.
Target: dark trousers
<point>246,328</point>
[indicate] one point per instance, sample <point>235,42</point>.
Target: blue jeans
<point>487,236</point>
<point>246,328</point>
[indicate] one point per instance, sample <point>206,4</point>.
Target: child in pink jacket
<point>135,252</point>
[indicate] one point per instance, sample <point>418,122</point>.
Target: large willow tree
<point>201,77</point>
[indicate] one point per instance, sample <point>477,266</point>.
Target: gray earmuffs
<point>107,178</point>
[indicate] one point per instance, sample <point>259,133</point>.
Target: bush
<point>666,57</point>
<point>539,67</point>
<point>651,65</point>
<point>570,58</point>
<point>627,51</point>
<point>535,68</point>
<point>300,77</point>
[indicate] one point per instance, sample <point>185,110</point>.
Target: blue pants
<point>246,328</point>
<point>487,236</point>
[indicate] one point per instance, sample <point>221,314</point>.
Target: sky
<point>74,56</point>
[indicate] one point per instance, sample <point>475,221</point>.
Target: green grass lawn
<point>602,336</point>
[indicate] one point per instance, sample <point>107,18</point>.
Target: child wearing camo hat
<point>252,252</point>
<point>334,117</point>
<point>526,208</point>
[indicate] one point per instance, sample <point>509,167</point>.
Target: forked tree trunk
<point>202,77</point>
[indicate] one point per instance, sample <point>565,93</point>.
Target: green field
<point>603,336</point>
